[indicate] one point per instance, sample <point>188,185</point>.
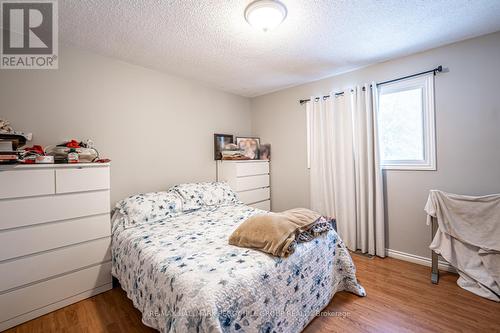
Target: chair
<point>434,255</point>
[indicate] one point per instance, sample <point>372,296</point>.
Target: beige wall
<point>468,135</point>
<point>157,129</point>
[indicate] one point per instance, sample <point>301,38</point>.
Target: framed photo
<point>220,141</point>
<point>250,146</point>
<point>265,151</point>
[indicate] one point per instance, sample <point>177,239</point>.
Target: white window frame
<point>426,83</point>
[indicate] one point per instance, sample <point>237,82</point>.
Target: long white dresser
<point>54,238</point>
<point>250,179</point>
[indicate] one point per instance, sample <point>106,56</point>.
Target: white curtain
<point>345,173</point>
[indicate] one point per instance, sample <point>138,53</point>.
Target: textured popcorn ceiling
<point>210,41</point>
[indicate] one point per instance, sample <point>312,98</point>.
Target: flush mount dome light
<point>265,14</point>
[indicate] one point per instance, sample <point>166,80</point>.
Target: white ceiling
<point>210,41</point>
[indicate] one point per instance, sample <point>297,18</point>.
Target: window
<point>406,124</point>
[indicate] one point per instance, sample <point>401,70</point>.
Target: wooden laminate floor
<point>400,299</point>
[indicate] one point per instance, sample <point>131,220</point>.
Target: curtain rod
<point>438,69</point>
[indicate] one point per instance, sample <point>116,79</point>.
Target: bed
<point>180,272</point>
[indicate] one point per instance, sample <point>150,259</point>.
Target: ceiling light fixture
<point>265,14</point>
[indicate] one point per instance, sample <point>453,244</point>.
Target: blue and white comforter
<point>183,276</point>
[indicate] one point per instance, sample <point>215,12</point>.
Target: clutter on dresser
<point>35,154</point>
<point>6,130</point>
<point>233,152</point>
<point>244,148</point>
<point>8,157</point>
<point>10,142</point>
<point>8,148</point>
<point>74,151</point>
<point>5,126</point>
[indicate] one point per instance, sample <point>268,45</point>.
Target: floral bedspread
<point>183,276</point>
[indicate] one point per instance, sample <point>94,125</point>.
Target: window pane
<point>401,125</point>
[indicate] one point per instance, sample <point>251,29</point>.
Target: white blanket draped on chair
<point>469,239</point>
<point>345,174</point>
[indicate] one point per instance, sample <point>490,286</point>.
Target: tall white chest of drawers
<point>54,238</point>
<point>250,179</point>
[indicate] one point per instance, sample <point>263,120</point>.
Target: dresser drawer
<point>38,295</point>
<point>25,183</point>
<point>82,179</point>
<point>251,182</point>
<point>19,242</point>
<point>31,211</point>
<point>252,196</point>
<point>264,205</point>
<point>251,168</point>
<point>41,266</point>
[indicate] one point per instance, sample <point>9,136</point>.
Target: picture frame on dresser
<point>249,145</point>
<point>265,151</point>
<point>220,141</point>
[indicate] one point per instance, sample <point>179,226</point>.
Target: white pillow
<point>149,207</point>
<point>198,195</point>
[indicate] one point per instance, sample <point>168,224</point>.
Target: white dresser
<point>250,179</point>
<point>54,238</point>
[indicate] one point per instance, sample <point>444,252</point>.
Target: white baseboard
<point>443,265</point>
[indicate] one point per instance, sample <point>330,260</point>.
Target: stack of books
<point>232,155</point>
<point>8,153</point>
